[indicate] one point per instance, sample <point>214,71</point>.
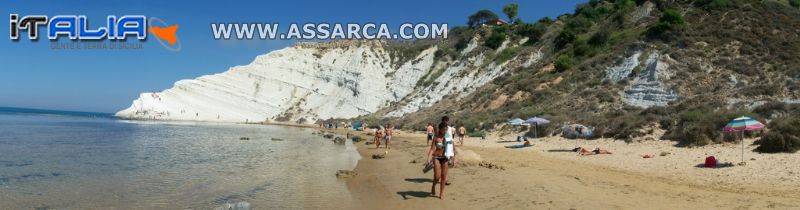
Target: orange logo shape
<point>166,33</point>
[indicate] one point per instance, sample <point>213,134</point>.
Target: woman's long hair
<point>443,127</point>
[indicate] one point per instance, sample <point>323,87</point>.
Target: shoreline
<point>491,176</point>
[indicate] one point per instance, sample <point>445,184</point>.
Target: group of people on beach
<point>384,134</point>
<point>462,132</point>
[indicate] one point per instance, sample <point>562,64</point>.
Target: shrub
<point>545,20</point>
<point>670,20</point>
<point>533,31</point>
<point>714,4</point>
<point>565,37</point>
<point>624,4</point>
<point>462,36</point>
<point>783,136</point>
<point>672,17</point>
<point>506,54</point>
<point>579,24</point>
<point>476,134</point>
<point>700,127</point>
<point>564,62</point>
<point>795,3</point>
<point>600,38</point>
<point>581,48</point>
<point>495,40</point>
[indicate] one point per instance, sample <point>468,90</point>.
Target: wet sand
<point>489,176</point>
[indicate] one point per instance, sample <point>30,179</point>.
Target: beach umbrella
<point>742,124</point>
<point>581,131</point>
<point>536,121</point>
<point>516,121</point>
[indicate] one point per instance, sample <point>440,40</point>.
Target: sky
<point>35,76</point>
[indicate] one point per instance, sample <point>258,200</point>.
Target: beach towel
<point>449,151</point>
<point>518,146</point>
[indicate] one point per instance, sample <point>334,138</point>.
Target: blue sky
<point>35,76</point>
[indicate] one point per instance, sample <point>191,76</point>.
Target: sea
<point>80,160</point>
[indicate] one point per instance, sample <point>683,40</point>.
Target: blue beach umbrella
<point>536,121</point>
<point>516,121</point>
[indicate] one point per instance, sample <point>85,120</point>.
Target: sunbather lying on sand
<point>596,151</point>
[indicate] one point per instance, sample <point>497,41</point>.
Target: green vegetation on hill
<point>721,65</point>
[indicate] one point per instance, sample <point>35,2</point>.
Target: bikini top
<point>440,145</point>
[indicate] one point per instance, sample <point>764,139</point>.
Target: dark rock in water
<point>338,140</point>
<point>342,174</point>
<point>234,206</point>
<point>277,139</point>
<point>329,136</point>
<point>244,138</point>
<point>357,139</point>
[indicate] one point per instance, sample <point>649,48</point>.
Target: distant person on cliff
<point>378,136</point>
<point>438,154</point>
<point>429,131</point>
<point>388,136</point>
<point>462,131</point>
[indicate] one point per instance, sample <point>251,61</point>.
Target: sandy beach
<point>489,176</point>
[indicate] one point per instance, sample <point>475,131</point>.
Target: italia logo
<point>75,27</point>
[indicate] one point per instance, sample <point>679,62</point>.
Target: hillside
<point>623,67</point>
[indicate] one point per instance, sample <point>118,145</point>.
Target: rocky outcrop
<point>313,81</point>
<point>302,83</point>
<point>624,67</point>
<point>648,88</point>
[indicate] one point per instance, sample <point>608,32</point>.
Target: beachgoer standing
<point>462,131</point>
<point>388,136</point>
<point>429,131</point>
<point>378,136</point>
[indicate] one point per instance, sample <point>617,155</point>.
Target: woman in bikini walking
<point>437,155</point>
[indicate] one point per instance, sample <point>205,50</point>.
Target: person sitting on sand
<point>527,143</point>
<point>583,151</point>
<point>378,136</point>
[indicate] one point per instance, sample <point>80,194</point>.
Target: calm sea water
<point>84,160</point>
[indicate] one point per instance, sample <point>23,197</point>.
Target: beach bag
<point>711,162</point>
